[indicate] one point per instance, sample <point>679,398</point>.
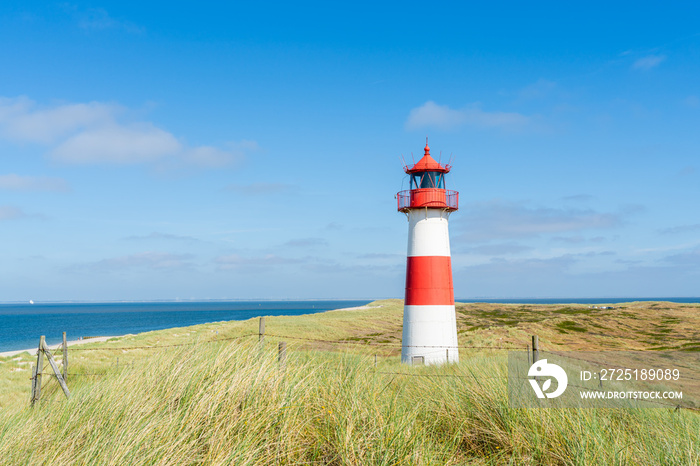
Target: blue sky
<point>194,150</point>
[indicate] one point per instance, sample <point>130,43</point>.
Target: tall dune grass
<point>233,404</point>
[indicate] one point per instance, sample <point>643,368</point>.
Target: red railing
<point>428,197</point>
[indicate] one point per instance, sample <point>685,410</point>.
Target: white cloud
<point>648,62</point>
<point>118,144</point>
<point>13,182</point>
<point>96,132</point>
<point>443,117</point>
<point>20,120</point>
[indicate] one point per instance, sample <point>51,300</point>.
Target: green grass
<point>229,402</point>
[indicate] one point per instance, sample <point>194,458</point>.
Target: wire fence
<point>363,342</point>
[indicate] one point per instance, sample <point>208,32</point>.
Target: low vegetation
<point>221,399</point>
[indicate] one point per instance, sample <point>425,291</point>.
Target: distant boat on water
<point>31,301</point>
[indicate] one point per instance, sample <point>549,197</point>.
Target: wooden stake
<point>535,349</point>
<point>31,396</point>
<point>65,357</point>
<point>54,366</point>
<point>282,354</point>
<point>261,330</point>
<point>39,369</point>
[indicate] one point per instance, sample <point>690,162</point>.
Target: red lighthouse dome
<point>428,186</point>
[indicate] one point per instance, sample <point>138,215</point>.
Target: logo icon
<point>543,369</point>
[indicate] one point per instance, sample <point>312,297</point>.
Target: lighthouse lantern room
<point>429,322</point>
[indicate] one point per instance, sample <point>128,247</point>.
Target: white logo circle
<point>543,369</point>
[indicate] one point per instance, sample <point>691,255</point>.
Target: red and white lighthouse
<point>429,321</point>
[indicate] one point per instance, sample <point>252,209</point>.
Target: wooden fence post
<point>31,395</point>
<point>36,392</point>
<point>54,366</point>
<point>282,354</point>
<point>535,349</point>
<point>65,357</point>
<point>261,330</point>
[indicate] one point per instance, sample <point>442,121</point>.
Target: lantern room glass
<point>428,180</point>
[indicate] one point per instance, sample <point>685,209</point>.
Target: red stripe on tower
<point>429,281</point>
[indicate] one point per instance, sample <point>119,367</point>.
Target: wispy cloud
<point>103,133</point>
<point>253,264</point>
<point>687,171</point>
<point>333,226</point>
<point>256,189</point>
<point>9,213</point>
<point>98,19</point>
<point>578,198</point>
<point>306,243</point>
<point>162,236</point>
<point>692,101</point>
<point>648,62</point>
<point>525,276</point>
<point>498,219</point>
<point>499,249</point>
<point>13,182</point>
<point>443,117</point>
<point>146,260</point>
<point>382,256</point>
<point>688,258</point>
<point>680,229</point>
<point>540,89</point>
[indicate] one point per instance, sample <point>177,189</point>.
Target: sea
<point>21,324</point>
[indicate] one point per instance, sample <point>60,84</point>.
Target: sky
<point>195,150</point>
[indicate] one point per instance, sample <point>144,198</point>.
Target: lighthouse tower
<point>429,322</point>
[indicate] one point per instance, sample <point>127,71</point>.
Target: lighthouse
<point>429,321</point>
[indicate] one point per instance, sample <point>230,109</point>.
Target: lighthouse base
<point>429,335</point>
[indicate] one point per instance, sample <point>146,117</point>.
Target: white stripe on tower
<point>429,325</point>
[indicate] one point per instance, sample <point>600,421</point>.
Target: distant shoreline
<point>70,343</point>
<point>588,300</point>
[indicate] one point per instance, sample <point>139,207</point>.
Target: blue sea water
<point>21,325</point>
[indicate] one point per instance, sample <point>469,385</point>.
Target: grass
<point>217,401</point>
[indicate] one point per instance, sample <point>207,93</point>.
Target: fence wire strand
<point>362,343</point>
